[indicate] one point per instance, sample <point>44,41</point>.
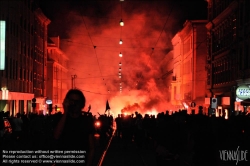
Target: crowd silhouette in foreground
<point>179,139</point>
<point>184,140</point>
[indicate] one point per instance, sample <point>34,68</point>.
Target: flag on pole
<point>107,106</point>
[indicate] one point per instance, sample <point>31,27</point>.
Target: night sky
<point>91,33</point>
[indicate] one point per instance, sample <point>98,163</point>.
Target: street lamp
<point>121,23</point>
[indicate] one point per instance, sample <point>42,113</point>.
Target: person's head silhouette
<point>73,103</point>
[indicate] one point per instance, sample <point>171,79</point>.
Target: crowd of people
<point>177,139</point>
<point>73,130</point>
<point>181,139</point>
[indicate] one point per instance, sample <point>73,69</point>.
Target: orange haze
<point>92,45</point>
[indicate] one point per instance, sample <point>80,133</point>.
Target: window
<point>21,73</point>
<point>24,76</point>
<point>186,48</point>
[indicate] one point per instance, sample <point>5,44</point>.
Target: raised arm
<point>60,126</point>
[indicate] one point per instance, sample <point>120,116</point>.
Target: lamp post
<point>73,77</point>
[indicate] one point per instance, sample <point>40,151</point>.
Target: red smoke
<point>92,46</point>
<point>131,109</point>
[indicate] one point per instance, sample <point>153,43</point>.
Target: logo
<point>243,92</point>
<point>234,155</point>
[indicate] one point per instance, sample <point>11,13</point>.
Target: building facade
<point>189,73</point>
<point>22,75</point>
<point>57,80</point>
<point>228,61</point>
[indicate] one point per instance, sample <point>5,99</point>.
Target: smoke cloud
<point>90,38</point>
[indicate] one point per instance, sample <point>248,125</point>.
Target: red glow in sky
<point>90,34</point>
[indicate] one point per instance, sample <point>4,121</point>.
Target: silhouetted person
<point>139,131</point>
<point>17,123</point>
<point>127,132</point>
<point>75,131</point>
<point>118,126</point>
<point>104,131</point>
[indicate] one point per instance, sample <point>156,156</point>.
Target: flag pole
<point>107,107</point>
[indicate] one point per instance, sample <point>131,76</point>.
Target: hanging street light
<point>121,23</point>
<point>120,55</point>
<point>120,42</point>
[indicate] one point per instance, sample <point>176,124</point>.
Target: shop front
<point>242,103</point>
<point>246,106</point>
<point>15,102</point>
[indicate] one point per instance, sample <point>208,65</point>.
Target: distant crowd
<point>181,139</point>
<point>177,139</point>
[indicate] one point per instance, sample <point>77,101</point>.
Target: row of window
<point>243,60</point>
<point>18,85</point>
<point>25,87</point>
<point>219,6</point>
<point>224,77</point>
<point>224,69</point>
<point>231,33</point>
<point>12,69</point>
<point>37,91</point>
<point>13,28</point>
<point>29,52</point>
<point>244,56</point>
<point>221,66</point>
<point>224,35</point>
<point>244,12</point>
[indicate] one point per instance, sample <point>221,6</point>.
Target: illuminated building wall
<point>40,58</point>
<point>24,53</point>
<point>57,67</point>
<point>176,78</point>
<point>229,50</point>
<point>189,75</point>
